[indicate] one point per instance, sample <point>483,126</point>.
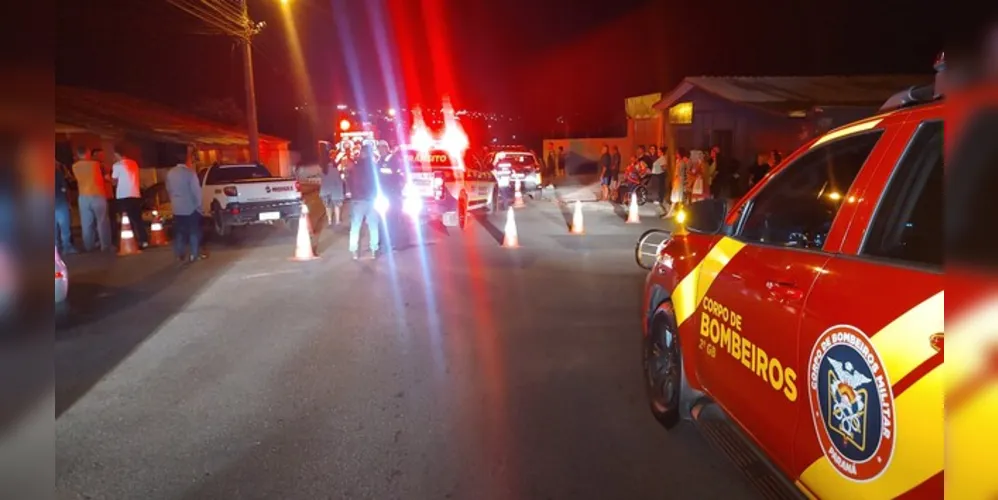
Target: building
<point>747,115</point>
<point>154,134</point>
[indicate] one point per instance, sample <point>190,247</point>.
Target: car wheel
<point>462,210</point>
<point>663,367</point>
<point>642,194</point>
<point>222,229</point>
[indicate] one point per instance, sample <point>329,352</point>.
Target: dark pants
<point>658,184</point>
<point>132,207</point>
<point>187,230</point>
<point>63,236</point>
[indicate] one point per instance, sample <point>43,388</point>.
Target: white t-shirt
<point>126,172</point>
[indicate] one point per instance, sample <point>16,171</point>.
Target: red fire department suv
<point>801,327</point>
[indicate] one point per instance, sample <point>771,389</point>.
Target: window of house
<point>681,114</point>
<point>909,219</point>
<point>797,206</point>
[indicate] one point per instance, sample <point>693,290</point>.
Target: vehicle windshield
<point>233,173</point>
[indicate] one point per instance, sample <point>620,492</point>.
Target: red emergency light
<point>344,125</point>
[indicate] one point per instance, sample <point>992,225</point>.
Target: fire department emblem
<point>852,405</point>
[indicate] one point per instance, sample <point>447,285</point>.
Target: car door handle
<point>786,289</point>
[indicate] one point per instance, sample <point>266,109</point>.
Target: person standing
<point>605,172</point>
<point>551,161</point>
<point>364,190</point>
<point>63,234</point>
<point>128,194</point>
<point>562,158</point>
<point>659,173</point>
<point>93,201</point>
<point>615,161</point>
<point>333,192</point>
<point>185,197</point>
<point>680,171</point>
<point>392,181</point>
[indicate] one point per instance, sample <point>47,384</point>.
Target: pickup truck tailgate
<point>256,190</point>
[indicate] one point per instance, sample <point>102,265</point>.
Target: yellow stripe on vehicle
<point>903,344</point>
<point>973,448</point>
<point>692,288</point>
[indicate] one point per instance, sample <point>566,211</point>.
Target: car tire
<point>662,363</point>
<point>222,230</point>
<point>642,194</point>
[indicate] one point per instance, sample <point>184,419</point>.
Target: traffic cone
<point>518,197</point>
<point>157,236</point>
<point>577,227</point>
<point>303,243</point>
<point>127,245</point>
<point>510,239</point>
<point>632,211</point>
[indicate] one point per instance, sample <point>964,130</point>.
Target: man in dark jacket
<point>364,191</point>
<point>391,178</point>
<point>724,185</point>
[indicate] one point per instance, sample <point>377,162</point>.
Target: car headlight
<point>381,204</point>
<point>412,205</point>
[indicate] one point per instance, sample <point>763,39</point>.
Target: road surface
<point>454,369</point>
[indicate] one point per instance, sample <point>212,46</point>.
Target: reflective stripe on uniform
<point>692,288</point>
<point>903,346</point>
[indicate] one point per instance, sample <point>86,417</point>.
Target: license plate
<point>270,215</point>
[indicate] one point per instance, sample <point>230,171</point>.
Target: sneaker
<point>144,245</point>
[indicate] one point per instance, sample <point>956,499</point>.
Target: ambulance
<point>445,180</point>
<point>801,327</point>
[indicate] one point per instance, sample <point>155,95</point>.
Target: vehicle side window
<point>909,219</point>
<point>201,175</point>
<point>797,206</point>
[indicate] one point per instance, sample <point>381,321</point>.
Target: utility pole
<point>253,132</point>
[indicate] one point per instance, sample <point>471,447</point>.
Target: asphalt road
<point>453,369</point>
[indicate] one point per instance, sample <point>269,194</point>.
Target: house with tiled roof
<point>154,134</point>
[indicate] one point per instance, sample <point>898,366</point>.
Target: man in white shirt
<point>128,195</point>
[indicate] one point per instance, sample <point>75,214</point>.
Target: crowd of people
<point>104,195</point>
<point>687,177</point>
<point>372,169</point>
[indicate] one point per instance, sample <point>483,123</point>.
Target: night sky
<point>535,58</point>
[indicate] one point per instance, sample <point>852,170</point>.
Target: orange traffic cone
<point>518,197</point>
<point>157,236</point>
<point>632,212</point>
<point>510,239</point>
<point>303,243</point>
<point>577,227</point>
<point>127,245</point>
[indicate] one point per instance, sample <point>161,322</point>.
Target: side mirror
<point>706,216</point>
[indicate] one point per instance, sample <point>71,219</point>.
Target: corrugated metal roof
<point>787,93</point>
<point>119,115</point>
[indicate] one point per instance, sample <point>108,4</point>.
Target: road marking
<point>272,273</point>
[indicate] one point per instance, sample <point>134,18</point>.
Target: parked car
<point>242,195</point>
<point>61,279</point>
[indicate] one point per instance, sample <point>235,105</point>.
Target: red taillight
<point>297,186</point>
<point>234,210</point>
<point>59,275</point>
<point>230,191</point>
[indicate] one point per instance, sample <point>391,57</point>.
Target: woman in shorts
<point>333,192</point>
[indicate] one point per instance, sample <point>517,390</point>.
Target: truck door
<point>872,392</point>
<point>750,314</point>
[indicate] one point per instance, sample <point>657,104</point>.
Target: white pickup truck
<point>240,195</point>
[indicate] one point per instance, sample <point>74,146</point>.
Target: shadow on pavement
<point>496,233</point>
<point>114,305</point>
